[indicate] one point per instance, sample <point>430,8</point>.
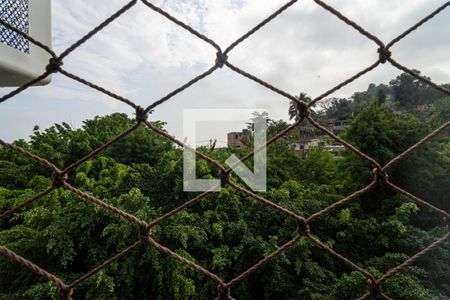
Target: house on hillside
<point>338,126</point>
<point>306,130</point>
<point>307,137</point>
<point>302,146</point>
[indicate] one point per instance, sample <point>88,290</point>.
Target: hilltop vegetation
<point>228,232</point>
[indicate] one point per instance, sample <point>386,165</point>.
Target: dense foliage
<point>228,232</point>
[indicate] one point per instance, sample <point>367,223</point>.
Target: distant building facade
<point>239,139</point>
<point>303,145</point>
<point>308,136</point>
<point>338,126</point>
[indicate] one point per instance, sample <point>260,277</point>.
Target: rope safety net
<point>14,32</point>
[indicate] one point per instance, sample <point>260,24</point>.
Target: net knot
<point>54,64</point>
<point>384,54</point>
<point>59,179</point>
<point>65,293</point>
<point>302,109</point>
<point>302,226</point>
<point>224,177</point>
<point>141,114</point>
<point>144,231</point>
<point>381,175</point>
<point>224,293</point>
<point>375,289</point>
<point>221,59</point>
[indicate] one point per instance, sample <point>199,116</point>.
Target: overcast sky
<point>144,56</point>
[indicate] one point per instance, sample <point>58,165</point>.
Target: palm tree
<point>293,111</point>
<point>257,115</point>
